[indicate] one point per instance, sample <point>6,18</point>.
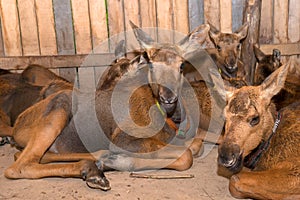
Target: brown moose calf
<point>262,139</point>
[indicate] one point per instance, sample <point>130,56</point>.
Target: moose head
<point>166,62</point>
<point>228,47</point>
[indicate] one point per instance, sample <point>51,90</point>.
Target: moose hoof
<point>97,182</point>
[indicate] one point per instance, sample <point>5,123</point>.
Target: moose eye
<point>238,46</point>
<point>181,67</point>
<point>218,47</point>
<point>254,121</point>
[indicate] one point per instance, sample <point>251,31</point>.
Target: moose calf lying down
<point>63,128</point>
<point>262,139</point>
<point>20,91</point>
<point>266,64</point>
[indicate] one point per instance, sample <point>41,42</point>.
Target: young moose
<point>48,131</point>
<point>228,51</point>
<point>225,50</point>
<point>266,64</point>
<point>263,140</point>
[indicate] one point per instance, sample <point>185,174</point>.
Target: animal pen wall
<point>58,34</point>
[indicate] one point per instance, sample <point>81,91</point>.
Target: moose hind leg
<point>38,134</point>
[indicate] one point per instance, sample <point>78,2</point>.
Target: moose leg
<point>49,157</point>
<point>37,139</point>
<point>129,153</point>
<point>124,162</point>
<point>5,128</point>
<point>196,143</point>
<point>280,182</point>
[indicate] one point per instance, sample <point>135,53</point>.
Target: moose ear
<point>120,50</point>
<point>276,55</point>
<point>143,38</point>
<point>258,53</point>
<point>242,32</point>
<point>275,82</point>
<point>195,38</point>
<point>213,33</point>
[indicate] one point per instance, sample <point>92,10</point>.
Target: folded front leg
<point>280,182</point>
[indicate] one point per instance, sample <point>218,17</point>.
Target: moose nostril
<point>168,100</point>
<point>227,161</point>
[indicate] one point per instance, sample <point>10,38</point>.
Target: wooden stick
<point>158,176</point>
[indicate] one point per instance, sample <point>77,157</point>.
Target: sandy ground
<point>205,185</point>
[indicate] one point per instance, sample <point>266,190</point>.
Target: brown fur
<point>227,52</point>
<point>266,64</point>
<point>20,91</point>
<point>250,117</point>
<point>269,63</point>
<point>48,131</point>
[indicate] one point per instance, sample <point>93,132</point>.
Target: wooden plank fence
<point>60,33</point>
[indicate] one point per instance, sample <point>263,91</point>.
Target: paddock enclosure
<point>60,34</point>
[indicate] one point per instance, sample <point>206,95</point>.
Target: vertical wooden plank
<point>148,13</point>
<point>86,78</point>
<point>266,22</point>
<point>165,21</point>
<point>28,25</point>
<point>181,16</point>
<point>64,34</point>
<point>46,29</point>
<point>294,21</point>
<point>294,24</point>
<point>1,41</point>
<point>10,28</point>
<point>99,31</point>
<point>116,22</point>
<point>81,23</point>
<point>148,17</point>
<point>131,12</point>
<point>212,12</point>
<point>64,27</point>
<point>181,19</point>
<point>196,13</point>
<point>237,14</point>
<point>252,17</point>
<point>225,16</point>
<point>98,26</point>
<point>280,23</point>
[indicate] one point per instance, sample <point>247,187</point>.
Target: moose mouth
<point>169,107</point>
<point>235,165</point>
<point>231,69</point>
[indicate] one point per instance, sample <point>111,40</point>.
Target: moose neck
<point>252,160</point>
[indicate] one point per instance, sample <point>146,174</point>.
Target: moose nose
<point>168,99</point>
<point>230,157</point>
<point>231,63</point>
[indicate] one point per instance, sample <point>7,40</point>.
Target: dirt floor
<point>205,185</point>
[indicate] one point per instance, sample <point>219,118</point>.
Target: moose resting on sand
<point>48,131</point>
<point>262,139</point>
<point>20,91</point>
